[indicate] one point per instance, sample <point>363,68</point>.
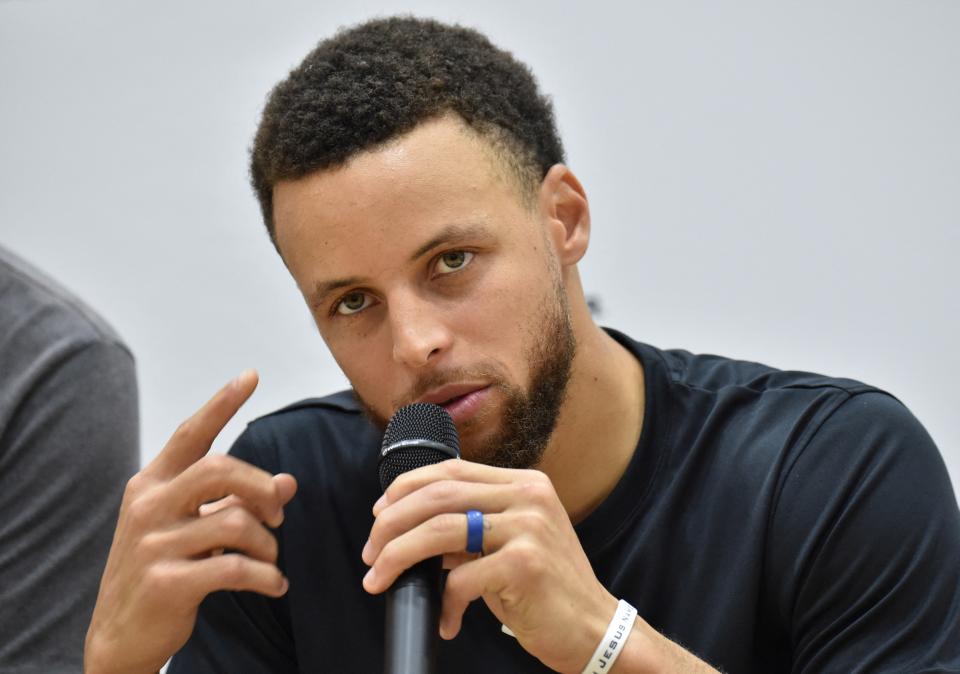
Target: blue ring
<point>474,531</point>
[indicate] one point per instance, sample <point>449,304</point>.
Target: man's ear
<point>563,205</point>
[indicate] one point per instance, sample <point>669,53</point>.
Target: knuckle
<point>527,558</point>
<point>140,511</point>
<point>151,545</point>
<point>385,524</point>
<point>540,477</point>
<point>446,523</point>
<point>528,490</point>
<point>161,580</point>
<point>456,470</point>
<point>398,487</point>
<point>186,431</point>
<point>272,549</point>
<point>443,491</point>
<point>216,473</point>
<point>531,520</point>
<point>275,581</point>
<point>134,486</point>
<point>454,586</point>
<point>233,570</point>
<point>217,463</point>
<point>537,488</point>
<point>236,522</point>
<point>389,556</point>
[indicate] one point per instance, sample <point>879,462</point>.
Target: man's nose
<point>420,333</point>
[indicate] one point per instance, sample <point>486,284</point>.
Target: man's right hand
<point>167,554</point>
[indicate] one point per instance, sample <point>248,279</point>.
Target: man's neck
<point>599,424</point>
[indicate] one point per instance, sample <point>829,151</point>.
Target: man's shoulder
<point>706,379</point>
<point>714,373</point>
<point>755,418</point>
<point>761,398</point>
<point>50,338</point>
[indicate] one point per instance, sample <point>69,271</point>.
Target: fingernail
<point>366,550</point>
<point>370,577</point>
<point>285,586</point>
<point>381,502</point>
<point>242,377</point>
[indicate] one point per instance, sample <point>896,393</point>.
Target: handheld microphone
<point>418,435</point>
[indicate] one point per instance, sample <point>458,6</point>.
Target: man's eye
<point>352,303</point>
<point>452,261</point>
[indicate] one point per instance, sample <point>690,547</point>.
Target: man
<point>412,180</point>
<point>69,441</point>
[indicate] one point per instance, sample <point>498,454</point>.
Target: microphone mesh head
<point>419,421</point>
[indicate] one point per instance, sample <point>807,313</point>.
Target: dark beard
<point>528,417</point>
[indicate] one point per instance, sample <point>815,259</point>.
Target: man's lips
<point>461,401</point>
<point>448,392</point>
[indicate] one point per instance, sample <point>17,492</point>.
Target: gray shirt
<point>69,440</point>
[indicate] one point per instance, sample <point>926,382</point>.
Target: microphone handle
<point>413,620</point>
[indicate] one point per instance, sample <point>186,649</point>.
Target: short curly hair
<point>380,79</point>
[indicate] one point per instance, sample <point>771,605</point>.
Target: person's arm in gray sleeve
<point>67,449</point>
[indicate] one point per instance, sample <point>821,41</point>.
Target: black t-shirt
<point>769,521</point>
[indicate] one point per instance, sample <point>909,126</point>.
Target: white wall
<point>772,181</point>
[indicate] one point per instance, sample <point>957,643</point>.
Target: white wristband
<point>612,642</point>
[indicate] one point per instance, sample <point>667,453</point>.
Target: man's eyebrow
<point>324,288</point>
<point>449,234</point>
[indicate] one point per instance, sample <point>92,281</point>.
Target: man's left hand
<point>533,574</point>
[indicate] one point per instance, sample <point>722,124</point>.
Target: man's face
<point>430,279</point>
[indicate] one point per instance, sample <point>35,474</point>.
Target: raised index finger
<point>192,440</point>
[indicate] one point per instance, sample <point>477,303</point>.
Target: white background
<point>771,181</point>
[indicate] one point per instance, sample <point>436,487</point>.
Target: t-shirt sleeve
<point>864,556</point>
<point>241,631</point>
